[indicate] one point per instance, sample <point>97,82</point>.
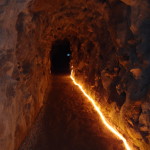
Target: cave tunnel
<point>105,42</point>
<point>60,57</point>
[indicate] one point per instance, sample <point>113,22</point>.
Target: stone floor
<point>68,122</point>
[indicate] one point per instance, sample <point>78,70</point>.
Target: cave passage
<point>60,57</point>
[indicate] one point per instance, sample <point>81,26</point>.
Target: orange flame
<point>97,109</point>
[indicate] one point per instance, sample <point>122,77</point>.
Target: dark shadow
<point>60,57</point>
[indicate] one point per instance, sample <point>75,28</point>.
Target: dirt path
<point>68,122</point>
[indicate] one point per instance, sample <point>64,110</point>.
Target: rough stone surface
<point>23,79</point>
<point>110,57</point>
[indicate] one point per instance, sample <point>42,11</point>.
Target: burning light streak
<point>97,108</point>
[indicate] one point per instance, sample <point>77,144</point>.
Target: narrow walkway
<point>68,122</point>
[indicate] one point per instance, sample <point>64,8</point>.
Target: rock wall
<point>114,67</point>
<point>109,41</point>
<point>24,75</point>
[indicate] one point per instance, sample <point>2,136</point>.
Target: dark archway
<point>60,57</point>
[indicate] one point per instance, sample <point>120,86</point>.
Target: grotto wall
<point>109,42</point>
<point>24,78</point>
<point>114,67</point>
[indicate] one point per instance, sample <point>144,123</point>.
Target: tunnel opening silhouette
<point>60,56</point>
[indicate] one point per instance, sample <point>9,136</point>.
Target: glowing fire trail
<point>101,115</point>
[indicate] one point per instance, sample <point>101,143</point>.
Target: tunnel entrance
<point>60,57</point>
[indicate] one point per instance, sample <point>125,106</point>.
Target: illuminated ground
<point>68,122</point>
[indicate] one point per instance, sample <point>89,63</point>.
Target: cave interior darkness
<point>60,57</point>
